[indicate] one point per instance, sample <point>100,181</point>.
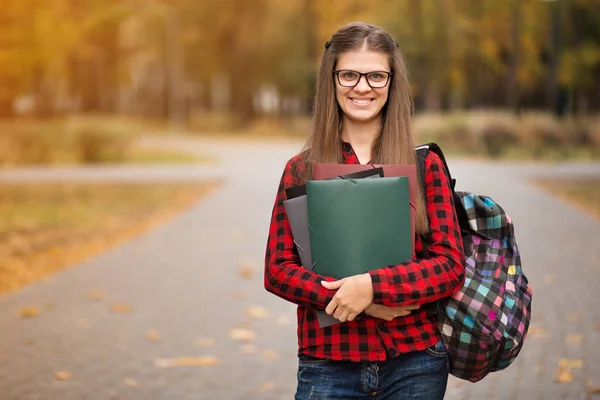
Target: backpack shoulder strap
<point>461,213</point>
<point>422,152</point>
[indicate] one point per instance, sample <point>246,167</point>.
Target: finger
<point>351,317</point>
<point>412,307</point>
<point>342,318</point>
<point>339,312</point>
<point>333,285</point>
<point>403,313</point>
<point>331,307</point>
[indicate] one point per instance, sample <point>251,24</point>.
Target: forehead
<point>363,61</point>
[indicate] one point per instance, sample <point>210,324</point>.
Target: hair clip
<point>397,45</point>
<point>327,44</point>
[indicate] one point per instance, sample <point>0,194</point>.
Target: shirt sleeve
<point>441,272</point>
<point>284,274</point>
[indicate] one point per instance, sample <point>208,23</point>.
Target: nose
<point>362,85</point>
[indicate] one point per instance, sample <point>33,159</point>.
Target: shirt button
<point>350,152</point>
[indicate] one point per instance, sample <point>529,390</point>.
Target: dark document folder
<point>358,225</point>
<point>296,209</point>
<point>327,171</point>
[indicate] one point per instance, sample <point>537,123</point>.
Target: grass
<point>158,156</point>
<point>83,140</point>
<point>46,227</point>
<point>583,193</point>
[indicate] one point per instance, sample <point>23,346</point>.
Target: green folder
<point>357,225</point>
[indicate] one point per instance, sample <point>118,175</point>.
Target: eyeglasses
<point>375,79</point>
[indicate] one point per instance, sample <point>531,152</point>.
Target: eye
<point>377,76</point>
<point>349,75</point>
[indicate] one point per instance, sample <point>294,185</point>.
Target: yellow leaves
<point>574,338</point>
<point>266,386</point>
<point>152,335</point>
<point>257,312</point>
<point>29,312</point>
<point>62,375</point>
<point>202,361</point>
<point>245,272</point>
<point>120,308</point>
<point>564,372</point>
<point>270,354</point>
<point>284,320</point>
<point>82,217</point>
<point>538,332</point>
<point>96,294</point>
<point>204,342</point>
<point>245,335</point>
<point>131,382</point>
<point>569,364</point>
<point>564,376</point>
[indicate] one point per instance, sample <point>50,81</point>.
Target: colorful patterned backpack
<point>485,323</point>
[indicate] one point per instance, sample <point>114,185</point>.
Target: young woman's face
<point>362,103</point>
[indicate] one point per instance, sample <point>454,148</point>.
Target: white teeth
<point>361,102</point>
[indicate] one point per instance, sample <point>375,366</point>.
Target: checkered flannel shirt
<point>438,274</point>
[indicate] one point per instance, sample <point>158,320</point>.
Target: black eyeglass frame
<point>360,75</point>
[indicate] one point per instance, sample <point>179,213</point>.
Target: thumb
<point>333,285</point>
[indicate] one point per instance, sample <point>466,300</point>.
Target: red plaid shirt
<point>420,281</point>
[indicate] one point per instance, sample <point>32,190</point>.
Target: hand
<point>389,313</point>
<point>353,295</point>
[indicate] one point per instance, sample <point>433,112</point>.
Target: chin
<point>362,117</point>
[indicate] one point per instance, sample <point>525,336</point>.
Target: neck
<point>361,135</point>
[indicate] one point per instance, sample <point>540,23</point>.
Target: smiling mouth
<point>361,102</point>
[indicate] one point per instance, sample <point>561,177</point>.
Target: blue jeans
<point>419,375</point>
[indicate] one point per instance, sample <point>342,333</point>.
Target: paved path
<point>182,281</point>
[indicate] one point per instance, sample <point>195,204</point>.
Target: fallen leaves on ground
<point>564,363</point>
<point>574,338</point>
<point>245,335</point>
<point>96,294</point>
<point>120,308</point>
<point>249,349</point>
<point>240,295</point>
<point>152,335</point>
<point>204,342</point>
<point>62,375</point>
<point>29,312</point>
<point>564,376</point>
<point>575,317</point>
<point>245,272</point>
<point>564,372</point>
<point>538,332</point>
<point>203,361</point>
<point>270,354</point>
<point>284,320</point>
<point>131,382</point>
<point>257,312</point>
<point>86,219</point>
<point>266,386</point>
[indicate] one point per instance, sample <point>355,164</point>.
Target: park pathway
<point>183,281</point>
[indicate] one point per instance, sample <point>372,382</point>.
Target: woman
<point>394,350</point>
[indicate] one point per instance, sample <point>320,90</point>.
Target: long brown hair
<point>395,144</point>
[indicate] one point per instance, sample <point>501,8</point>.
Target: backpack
<point>485,323</point>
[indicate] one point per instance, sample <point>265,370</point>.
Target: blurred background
<point>123,125</point>
<point>236,66</point>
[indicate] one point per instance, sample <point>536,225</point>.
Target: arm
<point>284,275</point>
<point>442,272</point>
